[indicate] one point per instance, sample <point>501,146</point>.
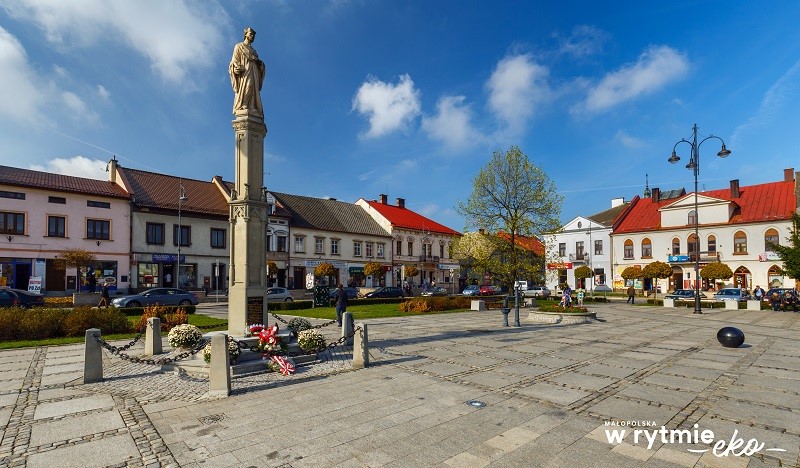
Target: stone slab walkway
<point>547,392</point>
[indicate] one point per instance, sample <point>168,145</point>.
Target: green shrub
<point>27,324</point>
<point>294,305</point>
<point>107,320</point>
<point>562,310</point>
<point>434,304</point>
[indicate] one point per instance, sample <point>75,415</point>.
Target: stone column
<point>248,220</point>
<point>361,348</point>
<point>92,357</point>
<point>152,337</point>
<point>219,369</point>
<point>347,328</point>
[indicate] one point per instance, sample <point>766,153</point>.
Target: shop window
<point>148,274</point>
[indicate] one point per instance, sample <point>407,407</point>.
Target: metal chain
<point>315,326</point>
<point>117,351</point>
<point>340,341</point>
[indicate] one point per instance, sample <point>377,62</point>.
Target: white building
<point>736,226</point>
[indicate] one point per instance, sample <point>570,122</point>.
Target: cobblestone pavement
<point>545,393</point>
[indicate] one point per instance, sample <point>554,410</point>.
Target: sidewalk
<point>547,391</point>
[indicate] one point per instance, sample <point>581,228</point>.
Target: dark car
<point>161,296</point>
<point>435,291</point>
<point>780,291</point>
<point>352,293</point>
<point>684,294</point>
<point>10,297</point>
<point>388,291</point>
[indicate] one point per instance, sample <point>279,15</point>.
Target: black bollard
<point>730,337</point>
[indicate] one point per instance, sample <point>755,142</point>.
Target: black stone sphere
<point>730,337</point>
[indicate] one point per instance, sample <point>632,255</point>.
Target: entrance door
<point>169,275</point>
<point>54,276</point>
<point>22,273</point>
<point>219,276</point>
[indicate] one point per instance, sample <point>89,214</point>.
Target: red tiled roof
<point>63,183</point>
<point>405,218</point>
<point>154,190</point>
<point>763,202</point>
<point>526,242</point>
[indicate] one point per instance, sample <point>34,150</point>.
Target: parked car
<point>352,293</point>
<point>489,290</point>
<point>471,290</point>
<point>731,294</point>
<point>435,291</point>
<point>780,291</point>
<point>279,295</point>
<point>10,297</point>
<point>161,296</point>
<point>536,291</point>
<point>605,288</point>
<point>684,294</point>
<point>387,291</point>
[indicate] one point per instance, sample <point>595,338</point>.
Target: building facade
<point>736,226</point>
<point>42,214</point>
<point>416,240</point>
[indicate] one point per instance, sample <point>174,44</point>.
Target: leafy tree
<point>324,269</point>
<point>716,271</point>
<point>75,258</point>
<point>657,270</point>
<point>790,254</point>
<point>373,269</point>
<point>511,197</point>
<point>583,272</point>
<point>410,270</point>
<point>632,272</point>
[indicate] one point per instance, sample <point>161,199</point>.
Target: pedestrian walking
<point>631,295</point>
<point>341,303</point>
<point>104,296</point>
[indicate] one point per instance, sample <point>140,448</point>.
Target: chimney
<point>788,175</point>
<point>401,202</point>
<point>735,188</point>
<point>111,168</point>
<point>656,196</point>
<point>384,198</point>
<point>615,202</point>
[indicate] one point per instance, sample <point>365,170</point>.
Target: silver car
<point>537,291</point>
<point>160,296</point>
<point>731,294</point>
<point>279,295</point>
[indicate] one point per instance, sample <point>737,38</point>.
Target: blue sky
<point>408,98</point>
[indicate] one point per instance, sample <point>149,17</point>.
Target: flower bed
<point>561,310</point>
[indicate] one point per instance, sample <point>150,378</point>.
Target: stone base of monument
<point>565,318</point>
<point>249,362</point>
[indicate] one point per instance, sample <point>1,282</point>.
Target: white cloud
<point>77,108</point>
<point>584,41</point>
<point>452,123</point>
<point>175,37</point>
<point>103,93</point>
<point>21,97</point>
<point>78,166</point>
<point>628,141</point>
<point>517,86</point>
<point>655,68</point>
<point>389,107</point>
<point>428,210</point>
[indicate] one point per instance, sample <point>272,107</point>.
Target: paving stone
<point>102,452</point>
<point>93,423</point>
<point>60,408</point>
<point>554,393</point>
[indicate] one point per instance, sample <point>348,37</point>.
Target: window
<point>381,249</point>
<point>562,276</point>
<point>579,250</point>
<point>562,249</point>
<point>771,240</point>
<point>155,233</point>
<point>426,251</point>
<point>98,229</point>
<point>712,245</point>
<point>56,226</point>
<point>319,245</point>
<point>98,204</point>
<point>399,247</point>
<point>356,248</point>
<point>268,243</point>
<point>647,248</point>
<point>692,218</point>
<point>217,238</point>
<point>411,247</point>
<point>282,247</point>
<point>59,200</point>
<point>628,251</point>
<point>14,195</point>
<point>185,235</point>
<point>12,223</point>
<point>370,248</point>
<point>676,246</point>
<point>441,250</point>
<point>334,246</point>
<point>300,244</point>
<point>740,243</point>
<point>692,246</point>
<point>598,248</point>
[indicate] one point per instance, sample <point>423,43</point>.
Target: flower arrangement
<point>280,364</point>
<point>184,336</point>
<point>310,340</point>
<point>268,340</point>
<point>233,351</point>
<point>298,324</point>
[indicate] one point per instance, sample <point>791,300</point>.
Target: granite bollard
<point>92,357</point>
<point>347,328</point>
<point>152,337</point>
<point>219,369</point>
<point>361,347</point>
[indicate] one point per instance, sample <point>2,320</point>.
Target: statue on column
<point>247,76</point>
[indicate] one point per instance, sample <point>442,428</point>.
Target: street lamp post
<point>181,198</point>
<point>694,166</point>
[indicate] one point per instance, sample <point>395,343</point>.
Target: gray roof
<point>328,215</point>
<point>607,217</point>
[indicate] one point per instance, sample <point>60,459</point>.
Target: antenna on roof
<point>647,192</point>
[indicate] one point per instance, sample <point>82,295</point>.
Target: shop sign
<point>35,285</point>
<point>678,258</point>
<point>356,270</point>
<point>769,257</point>
<point>167,258</point>
<point>559,266</point>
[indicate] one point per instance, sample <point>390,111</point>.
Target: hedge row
<point>40,323</point>
<point>137,311</point>
<point>434,304</point>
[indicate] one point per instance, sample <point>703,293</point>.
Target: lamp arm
<point>681,141</point>
<point>709,138</point>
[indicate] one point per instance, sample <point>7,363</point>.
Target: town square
<point>364,234</point>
